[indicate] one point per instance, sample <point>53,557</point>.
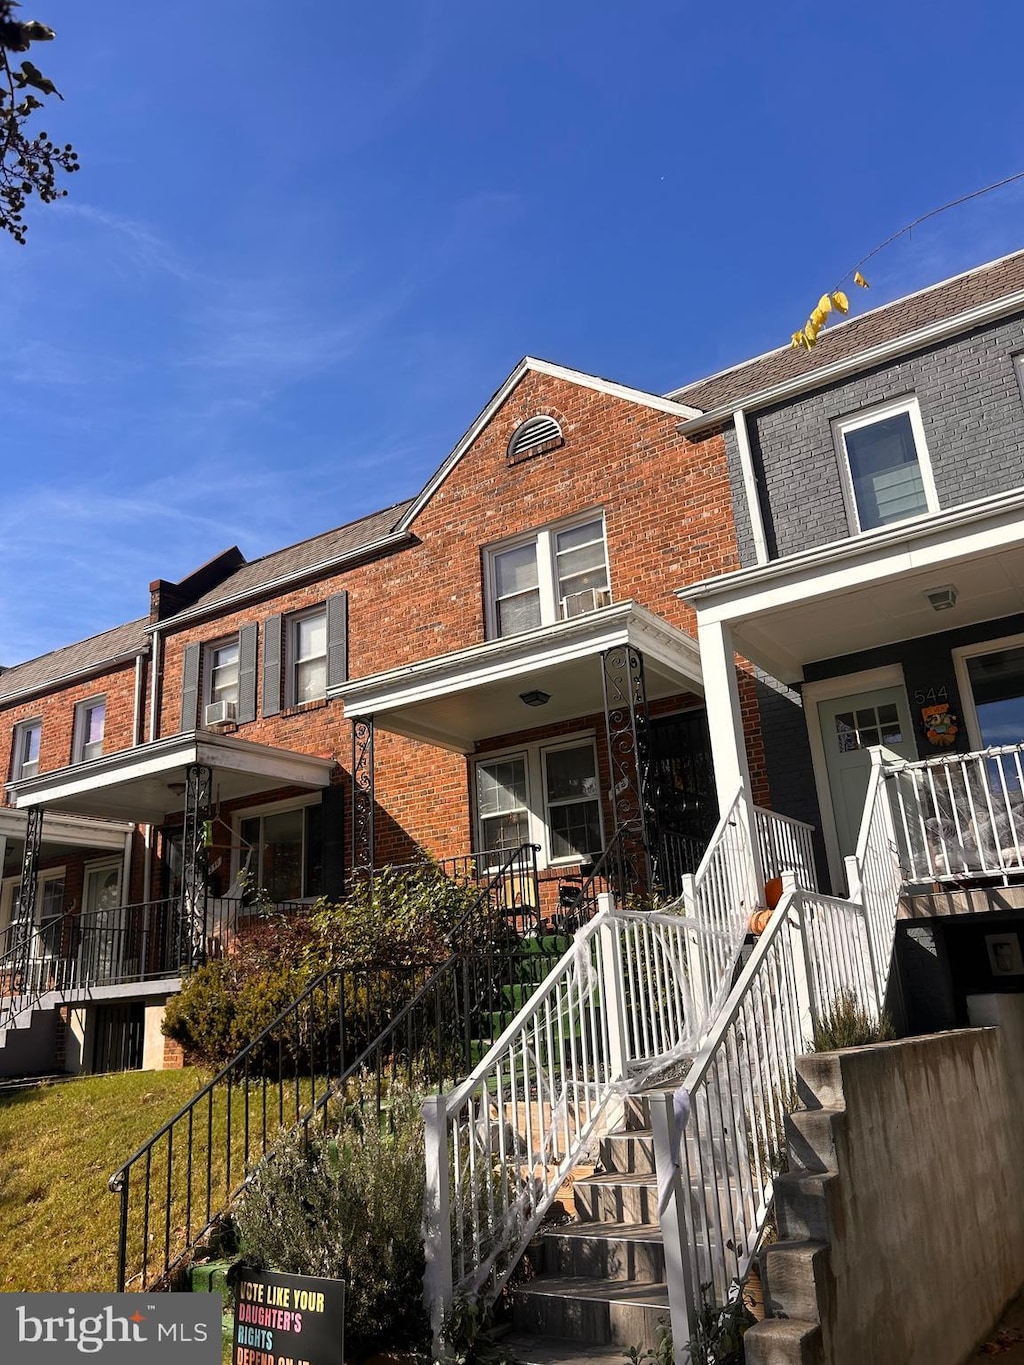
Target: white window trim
<point>544,538</point>
<point>538,831</point>
<point>10,884</point>
<point>255,812</point>
<point>961,654</point>
<point>291,660</point>
<point>82,708</point>
<point>868,417</point>
<point>18,761</point>
<point>209,651</point>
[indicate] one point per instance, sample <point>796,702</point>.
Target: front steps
<point>601,1286</point>
<point>797,1268</point>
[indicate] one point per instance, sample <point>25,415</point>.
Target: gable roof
<point>73,661</point>
<point>529,363</point>
<point>318,554</point>
<point>1001,280</point>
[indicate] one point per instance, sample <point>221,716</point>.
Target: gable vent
<point>535,436</point>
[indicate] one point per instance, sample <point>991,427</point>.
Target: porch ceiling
<point>870,592</point>
<point>473,694</point>
<point>144,784</point>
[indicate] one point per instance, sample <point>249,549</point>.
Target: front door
<point>102,932</point>
<point>849,727</point>
<point>684,786</point>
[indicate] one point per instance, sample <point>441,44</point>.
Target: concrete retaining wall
<point>921,1191</point>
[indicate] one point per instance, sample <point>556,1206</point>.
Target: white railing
<point>616,1008</point>
<point>838,953</point>
<point>720,897</point>
<point>874,874</point>
<point>960,814</point>
<point>785,845</point>
<point>719,1139</point>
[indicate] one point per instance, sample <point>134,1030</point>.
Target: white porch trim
<point>516,659</point>
<point>132,781</point>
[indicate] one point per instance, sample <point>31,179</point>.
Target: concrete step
<point>797,1276</point>
<point>605,1251</point>
<point>781,1341</point>
<point>820,1081</point>
<point>579,1309</point>
<point>531,1350</point>
<point>811,1139</point>
<point>801,1205</point>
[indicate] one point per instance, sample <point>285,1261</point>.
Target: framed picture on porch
<point>1004,954</point>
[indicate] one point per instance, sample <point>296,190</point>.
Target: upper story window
<point>222,672</point>
<point>90,717</point>
<point>25,750</point>
<point>305,654</point>
<point>887,476</point>
<point>307,657</point>
<point>547,576</point>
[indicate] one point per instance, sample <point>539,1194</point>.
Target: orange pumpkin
<point>759,921</point>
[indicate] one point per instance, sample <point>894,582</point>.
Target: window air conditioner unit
<point>219,713</point>
<point>590,599</point>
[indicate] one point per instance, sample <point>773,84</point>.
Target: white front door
<point>101,927</point>
<point>849,727</point>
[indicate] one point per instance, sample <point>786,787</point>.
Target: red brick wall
<point>668,514</point>
<point>57,711</point>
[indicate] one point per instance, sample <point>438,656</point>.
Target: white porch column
<point>725,716</point>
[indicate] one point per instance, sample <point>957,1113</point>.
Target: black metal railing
<point>350,1035</point>
<point>123,945</point>
<point>679,856</point>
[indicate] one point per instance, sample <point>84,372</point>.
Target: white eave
<point>869,591</point>
<point>134,783</point>
<point>459,698</point>
<point>588,381</point>
<point>74,831</point>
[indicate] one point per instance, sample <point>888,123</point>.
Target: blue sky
<point>307,243</point>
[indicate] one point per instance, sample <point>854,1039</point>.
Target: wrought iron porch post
<point>362,797</point>
<point>629,756</point>
<point>192,916</point>
<point>27,893</point>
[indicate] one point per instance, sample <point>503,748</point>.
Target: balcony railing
<point>960,816</point>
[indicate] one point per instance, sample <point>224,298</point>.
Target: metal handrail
<point>435,1015</point>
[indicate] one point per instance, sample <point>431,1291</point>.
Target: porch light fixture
<point>942,599</point>
<point>535,698</point>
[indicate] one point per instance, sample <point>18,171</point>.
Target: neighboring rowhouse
<point>511,649</point>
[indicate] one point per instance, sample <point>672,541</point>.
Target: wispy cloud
<point>141,246</point>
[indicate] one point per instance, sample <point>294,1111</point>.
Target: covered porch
<point>108,940</point>
<point>556,726</point>
<point>910,638</point>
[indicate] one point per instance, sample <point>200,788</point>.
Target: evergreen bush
<point>349,1205</point>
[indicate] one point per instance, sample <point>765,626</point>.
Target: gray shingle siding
<point>973,417</point>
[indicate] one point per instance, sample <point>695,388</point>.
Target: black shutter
<point>337,639</point>
<point>190,687</point>
<point>333,803</point>
<point>272,665</point>
<point>247,637</point>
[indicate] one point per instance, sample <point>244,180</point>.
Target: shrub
<point>349,1205</point>
<point>401,919</point>
<point>848,1024</point>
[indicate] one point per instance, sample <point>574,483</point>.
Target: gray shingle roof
<point>984,284</point>
<point>307,554</point>
<point>76,658</point>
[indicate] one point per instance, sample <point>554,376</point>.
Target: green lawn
<point>58,1145</point>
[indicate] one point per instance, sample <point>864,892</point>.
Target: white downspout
<point>154,687</point>
<point>739,420</point>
